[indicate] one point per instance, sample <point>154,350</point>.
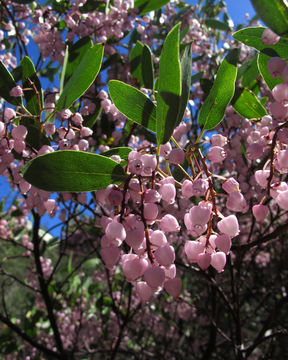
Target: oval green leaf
<point>35,137</point>
<point>73,171</point>
<point>147,68</point>
<point>75,54</point>
<point>7,82</point>
<point>186,71</point>
<point>250,74</point>
<point>82,78</point>
<point>123,152</point>
<point>217,24</point>
<point>135,62</point>
<point>262,61</point>
<point>252,36</point>
<point>196,77</point>
<point>133,104</point>
<point>213,109</point>
<point>146,6</point>
<point>273,13</point>
<point>31,97</point>
<point>169,86</point>
<point>246,104</point>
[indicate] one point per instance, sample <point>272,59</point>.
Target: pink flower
<point>229,226</point>
<point>169,223</point>
<point>260,212</point>
<point>269,37</point>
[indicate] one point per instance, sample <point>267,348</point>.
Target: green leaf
<point>196,77</point>
<point>76,52</point>
<point>262,61</point>
<point>217,24</point>
<point>123,152</point>
<point>135,60</point>
<point>273,13</point>
<point>134,37</point>
<point>62,77</point>
<point>133,104</point>
<point>82,78</point>
<point>28,76</point>
<point>251,73</point>
<point>146,6</point>
<point>184,32</point>
<point>147,68</point>
<point>73,171</point>
<point>252,36</point>
<point>186,71</point>
<point>90,120</point>
<point>35,138</point>
<point>141,65</point>
<point>213,109</point>
<point>264,100</point>
<point>7,82</point>
<point>92,5</point>
<point>169,86</point>
<point>247,105</point>
<point>112,60</point>
<point>17,73</point>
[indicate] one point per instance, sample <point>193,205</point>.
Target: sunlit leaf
<point>133,104</point>
<point>146,6</point>
<point>75,54</point>
<point>147,68</point>
<point>123,152</point>
<point>73,171</point>
<point>217,24</point>
<point>34,101</point>
<point>273,13</point>
<point>82,78</point>
<point>252,36</point>
<point>213,109</point>
<point>247,105</point>
<point>169,86</point>
<point>262,61</point>
<point>135,60</point>
<point>186,71</point>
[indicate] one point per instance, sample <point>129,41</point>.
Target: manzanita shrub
<point>155,136</point>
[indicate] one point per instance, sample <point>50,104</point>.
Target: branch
<point>43,286</point>
<point>27,338</point>
<point>261,240</point>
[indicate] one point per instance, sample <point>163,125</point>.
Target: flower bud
<point>176,156</point>
<point>269,37</point>
<point>275,66</point>
<point>154,276</point>
<point>229,226</point>
<point>216,154</point>
<point>144,291</point>
<point>169,223</point>
<point>260,212</point>
<point>204,260</point>
<point>165,255</point>
<point>173,287</point>
<point>218,261</point>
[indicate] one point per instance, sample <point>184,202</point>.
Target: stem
<point>27,338</point>
<point>200,136</point>
<point>149,251</point>
<point>44,288</point>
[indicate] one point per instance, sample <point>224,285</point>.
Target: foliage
<point>155,142</point>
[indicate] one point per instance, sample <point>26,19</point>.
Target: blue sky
<point>236,9</point>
